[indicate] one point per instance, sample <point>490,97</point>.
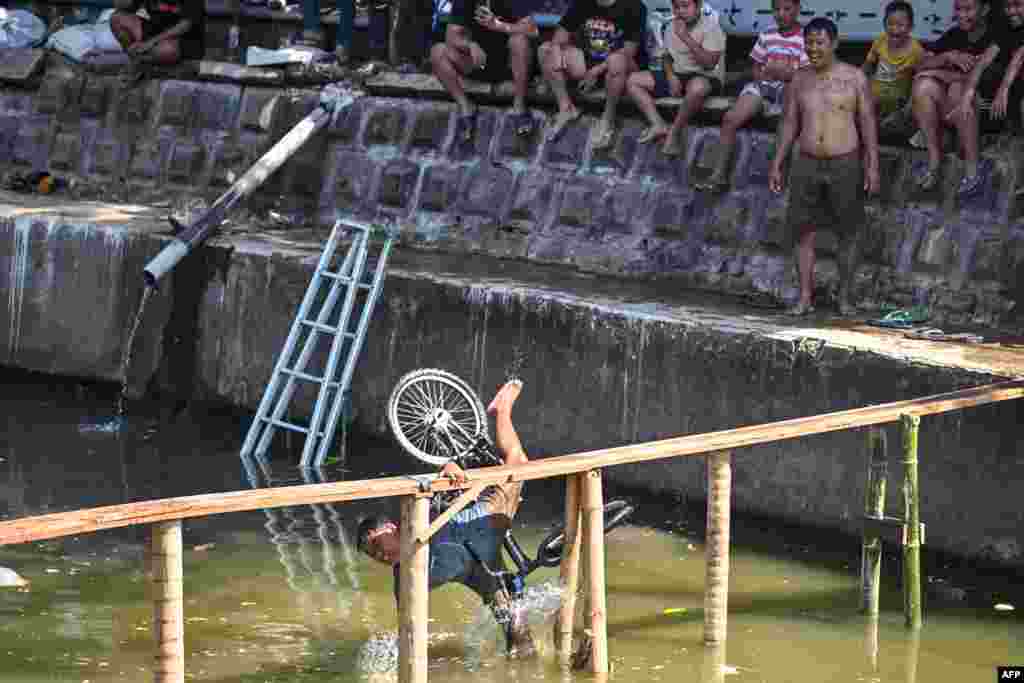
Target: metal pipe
<point>188,237</point>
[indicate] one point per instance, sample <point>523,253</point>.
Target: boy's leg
<point>558,64</point>
<point>619,68</point>
<point>966,123</point>
<point>697,90</point>
<point>520,49</point>
<point>928,98</point>
<point>747,107</point>
<point>506,440</point>
<point>642,87</point>
<point>165,52</point>
<point>449,65</point>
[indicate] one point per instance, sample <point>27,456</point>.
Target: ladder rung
<point>306,376</point>
<point>285,425</point>
<point>344,278</point>
<point>319,326</point>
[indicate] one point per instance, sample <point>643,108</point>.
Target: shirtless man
<point>825,105</point>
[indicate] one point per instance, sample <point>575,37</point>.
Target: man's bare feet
<point>561,122</point>
<point>506,397</point>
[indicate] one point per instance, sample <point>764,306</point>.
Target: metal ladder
<point>348,279</point>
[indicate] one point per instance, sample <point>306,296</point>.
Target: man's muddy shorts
<point>827,193</point>
<point>503,499</point>
<point>772,94</point>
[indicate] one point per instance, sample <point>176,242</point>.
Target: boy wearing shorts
<point>777,56</point>
<point>694,69</point>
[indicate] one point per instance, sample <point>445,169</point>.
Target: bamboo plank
<point>716,548</point>
<point>593,527</point>
<point>413,607</point>
<point>569,571</point>
<point>111,517</point>
<point>874,507</point>
<point>168,603</point>
<point>912,516</point>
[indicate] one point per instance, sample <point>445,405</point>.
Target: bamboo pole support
<point>913,655</point>
<point>593,525</point>
<point>413,610</point>
<point>912,522</point>
<point>713,664</point>
<point>874,506</point>
<point>168,602</point>
<point>871,641</point>
<point>569,571</point>
<point>716,582</point>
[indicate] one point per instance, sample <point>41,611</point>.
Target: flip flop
<point>465,127</point>
<point>900,319</point>
<point>523,124</point>
<point>969,185</point>
<point>650,134</point>
<point>935,334</point>
<point>710,184</point>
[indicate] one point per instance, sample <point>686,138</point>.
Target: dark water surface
<point>281,595</point>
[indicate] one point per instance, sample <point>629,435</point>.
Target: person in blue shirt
<point>478,530</point>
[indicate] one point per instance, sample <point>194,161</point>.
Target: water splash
<point>538,603</point>
<point>126,359</point>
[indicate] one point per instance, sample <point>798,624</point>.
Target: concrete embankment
<point>607,361</point>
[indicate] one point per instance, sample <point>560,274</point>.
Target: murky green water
<point>279,596</point>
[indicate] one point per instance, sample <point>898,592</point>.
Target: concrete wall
<point>628,212</point>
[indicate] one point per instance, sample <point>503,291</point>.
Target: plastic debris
<point>1004,607</point>
<point>669,611</point>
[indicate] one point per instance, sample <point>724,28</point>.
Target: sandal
<point>800,310</point>
<point>929,180</point>
<point>935,334</point>
<point>650,134</point>
<point>710,184</point>
<point>465,127</point>
<point>523,124</point>
<point>901,319</point>
<point>969,185</point>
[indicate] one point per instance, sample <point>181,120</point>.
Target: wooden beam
<point>593,527</point>
<point>912,515</point>
<point>111,517</point>
<point>716,548</point>
<point>413,589</point>
<point>569,571</point>
<point>168,602</point>
<point>468,496</point>
<point>891,529</point>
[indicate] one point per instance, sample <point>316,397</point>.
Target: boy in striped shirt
<point>777,55</point>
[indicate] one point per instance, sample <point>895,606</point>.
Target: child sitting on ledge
<point>174,30</point>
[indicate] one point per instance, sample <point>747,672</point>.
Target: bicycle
<point>437,418</point>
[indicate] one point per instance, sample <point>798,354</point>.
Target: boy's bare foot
<point>561,122</point>
<point>506,396</point>
<point>601,135</point>
<point>652,133</point>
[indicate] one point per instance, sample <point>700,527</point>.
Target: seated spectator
<point>890,65</point>
<point>777,55</point>
<point>694,69</point>
<point>1008,96</point>
<point>940,84</point>
<point>485,41</point>
<point>175,30</point>
<point>610,33</point>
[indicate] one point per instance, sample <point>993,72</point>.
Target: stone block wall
<point>628,211</point>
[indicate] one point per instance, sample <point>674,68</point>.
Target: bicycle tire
<point>549,552</point>
<point>422,406</point>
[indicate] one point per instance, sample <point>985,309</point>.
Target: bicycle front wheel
<point>436,416</point>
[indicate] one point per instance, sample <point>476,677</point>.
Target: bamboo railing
<point>584,522</point>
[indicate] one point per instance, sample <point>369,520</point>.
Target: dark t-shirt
<point>1009,41</point>
<point>166,13</point>
<point>462,15</point>
<point>958,39</point>
<point>603,30</point>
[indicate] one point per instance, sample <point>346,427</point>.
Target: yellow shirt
<point>894,74</point>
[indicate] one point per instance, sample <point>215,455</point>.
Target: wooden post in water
<point>713,664</point>
<point>570,569</point>
<point>168,602</point>
<point>716,581</point>
<point>413,591</point>
<point>912,524</point>
<point>593,526</point>
<point>874,506</point>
